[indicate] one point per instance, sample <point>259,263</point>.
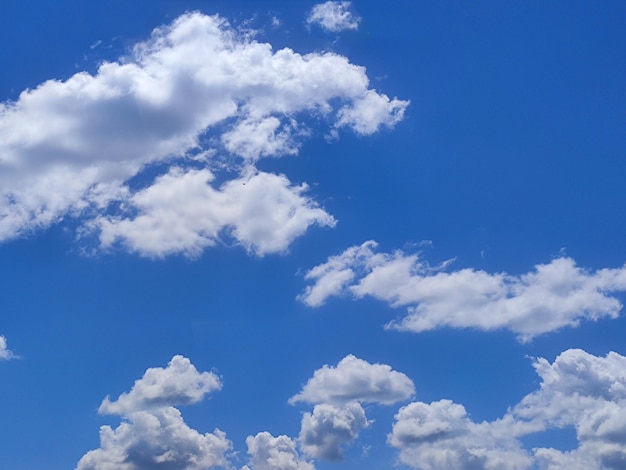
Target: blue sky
<point>286,235</point>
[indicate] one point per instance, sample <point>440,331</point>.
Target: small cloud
<point>95,44</point>
<point>5,353</point>
<point>333,17</point>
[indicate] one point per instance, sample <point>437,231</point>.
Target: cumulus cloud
<point>196,87</point>
<point>156,439</point>
<point>354,379</point>
<point>333,16</point>
<point>328,428</point>
<point>552,296</point>
<point>440,436</point>
<point>179,383</point>
<point>337,393</point>
<point>587,392</point>
<point>153,433</point>
<point>274,453</point>
<point>182,213</point>
<point>577,390</point>
<point>5,352</point>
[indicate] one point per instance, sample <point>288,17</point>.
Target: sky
<point>289,235</point>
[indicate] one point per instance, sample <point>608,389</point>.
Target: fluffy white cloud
<point>588,393</point>
<point>577,390</point>
<point>333,16</point>
<point>68,147</point>
<point>5,352</point>
<point>329,427</point>
<point>554,295</point>
<point>182,213</point>
<point>274,453</point>
<point>372,110</point>
<point>156,439</point>
<point>354,379</point>
<point>337,393</point>
<point>153,433</point>
<point>440,436</point>
<point>179,383</point>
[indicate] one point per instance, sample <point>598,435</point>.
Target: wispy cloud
<point>552,296</point>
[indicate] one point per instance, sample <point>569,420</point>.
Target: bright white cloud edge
<point>197,90</point>
<point>552,296</point>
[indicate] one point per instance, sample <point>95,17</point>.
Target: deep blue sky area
<point>510,155</point>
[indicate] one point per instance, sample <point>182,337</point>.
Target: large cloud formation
<point>337,393</point>
<point>554,295</point>
<point>153,433</point>
<point>577,390</point>
<point>195,94</point>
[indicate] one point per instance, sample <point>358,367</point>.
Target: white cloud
<point>372,110</point>
<point>179,383</point>
<point>5,352</point>
<point>337,393</point>
<point>577,390</point>
<point>333,16</point>
<point>153,433</point>
<point>552,296</point>
<point>156,439</point>
<point>182,213</point>
<point>68,147</point>
<point>325,431</point>
<point>588,393</point>
<point>354,379</point>
<point>274,453</point>
<point>440,436</point>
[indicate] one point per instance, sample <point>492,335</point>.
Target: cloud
<point>552,296</point>
<point>179,383</point>
<point>5,352</point>
<point>328,428</point>
<point>371,111</point>
<point>440,436</point>
<point>337,393</point>
<point>182,213</point>
<point>587,392</point>
<point>153,433</point>
<point>156,439</point>
<point>333,16</point>
<point>77,147</point>
<point>577,390</point>
<point>274,453</point>
<point>354,379</point>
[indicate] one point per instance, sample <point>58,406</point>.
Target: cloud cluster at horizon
<point>577,390</point>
